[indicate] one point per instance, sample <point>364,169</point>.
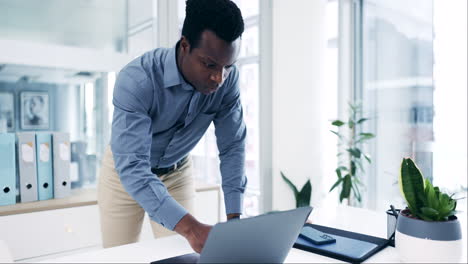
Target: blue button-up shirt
<point>159,118</point>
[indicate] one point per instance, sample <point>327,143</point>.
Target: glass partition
<point>40,99</point>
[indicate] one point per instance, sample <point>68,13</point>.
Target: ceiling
<point>97,24</point>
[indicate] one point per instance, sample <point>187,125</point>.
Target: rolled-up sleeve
<point>230,133</point>
<point>131,144</point>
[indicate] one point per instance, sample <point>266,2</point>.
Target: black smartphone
<point>315,236</point>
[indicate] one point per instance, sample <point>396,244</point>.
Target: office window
<point>450,95</point>
<point>141,33</point>
<point>205,154</point>
<point>331,88</point>
<point>414,89</point>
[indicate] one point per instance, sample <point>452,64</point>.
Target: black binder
<point>349,246</point>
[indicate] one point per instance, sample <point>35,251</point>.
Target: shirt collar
<point>172,76</point>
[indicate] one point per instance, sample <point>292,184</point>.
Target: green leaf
<point>338,123</point>
<point>362,120</point>
<point>353,168</point>
<point>446,206</point>
<point>367,158</point>
<point>353,107</point>
<point>338,173</point>
<point>346,190</point>
<point>356,180</point>
<point>355,152</point>
<point>411,185</point>
<point>431,199</point>
<point>291,185</point>
<point>356,192</point>
<point>367,135</point>
<point>343,168</point>
<point>336,184</point>
<point>430,213</point>
<point>304,195</point>
<point>336,133</point>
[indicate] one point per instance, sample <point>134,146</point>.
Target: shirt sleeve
<point>131,145</point>
<point>230,133</point>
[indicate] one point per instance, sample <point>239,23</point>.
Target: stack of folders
<point>37,164</point>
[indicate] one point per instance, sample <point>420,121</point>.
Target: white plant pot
<point>428,242</point>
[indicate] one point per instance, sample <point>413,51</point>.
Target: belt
<point>162,171</point>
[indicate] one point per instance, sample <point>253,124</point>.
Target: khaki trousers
<point>122,217</point>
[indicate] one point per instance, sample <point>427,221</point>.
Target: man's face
<point>207,66</point>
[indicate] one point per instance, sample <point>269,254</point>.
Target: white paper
<point>64,150</point>
<point>44,152</point>
<point>27,152</point>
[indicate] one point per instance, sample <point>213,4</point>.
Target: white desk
<point>343,217</point>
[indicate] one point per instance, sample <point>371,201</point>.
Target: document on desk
<point>349,246</point>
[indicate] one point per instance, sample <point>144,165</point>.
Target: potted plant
<point>427,230</point>
<point>302,196</point>
<point>352,139</point>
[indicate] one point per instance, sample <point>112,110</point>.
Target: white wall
<point>299,122</point>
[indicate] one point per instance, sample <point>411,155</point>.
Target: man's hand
<point>195,232</point>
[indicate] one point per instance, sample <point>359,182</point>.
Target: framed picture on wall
<point>7,112</point>
<point>34,110</point>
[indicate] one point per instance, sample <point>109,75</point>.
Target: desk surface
<point>343,217</point>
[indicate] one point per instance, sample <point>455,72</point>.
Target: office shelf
<point>78,197</point>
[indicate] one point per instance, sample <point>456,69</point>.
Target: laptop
<point>266,238</point>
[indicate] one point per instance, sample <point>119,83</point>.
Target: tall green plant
<point>303,196</point>
<point>351,138</point>
<point>424,200</point>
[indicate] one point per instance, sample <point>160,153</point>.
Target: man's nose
<point>218,76</point>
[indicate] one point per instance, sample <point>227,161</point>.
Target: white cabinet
<point>40,233</point>
<point>30,233</point>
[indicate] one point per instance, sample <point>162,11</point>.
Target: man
<point>164,102</point>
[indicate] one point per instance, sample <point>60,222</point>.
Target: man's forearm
<point>185,225</point>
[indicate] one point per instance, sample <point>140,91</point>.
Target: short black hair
<point>223,17</point>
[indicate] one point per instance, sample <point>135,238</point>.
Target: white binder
<point>61,164</point>
<point>27,166</point>
<point>44,166</point>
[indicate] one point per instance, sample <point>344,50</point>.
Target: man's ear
<point>184,44</point>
